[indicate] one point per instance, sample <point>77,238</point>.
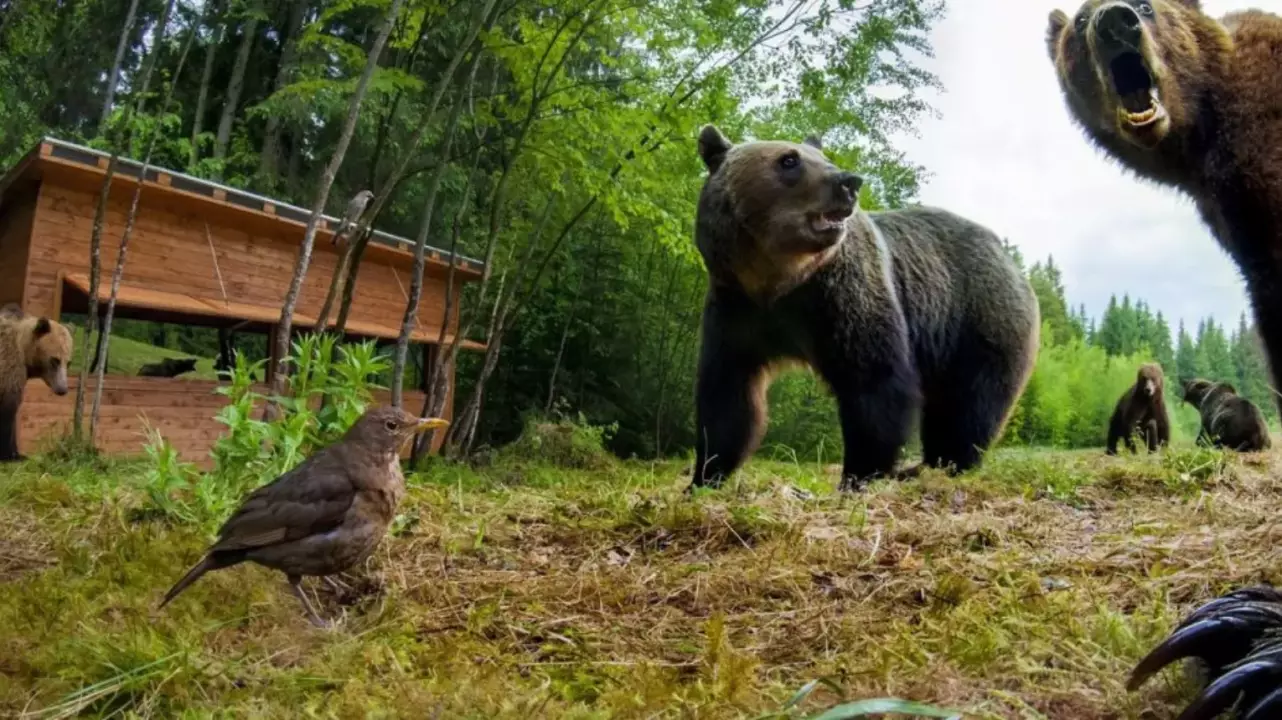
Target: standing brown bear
<point>1141,407</point>
<point>1228,419</point>
<point>1191,103</point>
<point>899,312</point>
<point>30,347</point>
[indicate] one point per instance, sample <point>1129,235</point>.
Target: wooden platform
<point>183,410</point>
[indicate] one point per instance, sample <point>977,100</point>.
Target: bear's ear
<point>814,141</point>
<point>43,327</point>
<point>713,147</point>
<point>1055,27</point>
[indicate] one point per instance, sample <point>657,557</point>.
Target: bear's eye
<point>1146,9</point>
<point>390,424</point>
<point>54,363</point>
<point>1081,22</point>
<point>789,161</point>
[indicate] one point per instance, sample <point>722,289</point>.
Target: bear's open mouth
<point>829,221</point>
<point>1133,83</point>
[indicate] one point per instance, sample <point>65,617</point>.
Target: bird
<point>1236,638</point>
<point>355,208</point>
<point>326,514</point>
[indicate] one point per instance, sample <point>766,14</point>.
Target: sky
<point>1005,153</point>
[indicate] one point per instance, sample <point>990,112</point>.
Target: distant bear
<point>900,311</point>
<point>30,347</point>
<point>1141,407</point>
<point>1228,419</point>
<point>168,368</point>
<point>1192,103</point>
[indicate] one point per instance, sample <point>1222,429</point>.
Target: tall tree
<point>285,324</point>
<point>113,77</point>
<point>236,84</point>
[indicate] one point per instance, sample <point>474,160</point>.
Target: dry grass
<point>1026,590</point>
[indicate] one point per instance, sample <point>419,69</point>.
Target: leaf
<point>862,708</point>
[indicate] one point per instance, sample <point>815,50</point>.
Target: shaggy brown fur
<point>1228,419</point>
<point>899,312</point>
<point>30,347</point>
<point>1142,407</point>
<point>1190,102</point>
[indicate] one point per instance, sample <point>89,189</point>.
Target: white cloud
<point>1005,153</point>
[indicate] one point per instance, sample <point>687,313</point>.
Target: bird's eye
<point>1146,9</point>
<point>789,161</point>
<point>390,424</point>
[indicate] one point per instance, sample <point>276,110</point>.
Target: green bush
<point>253,451</point>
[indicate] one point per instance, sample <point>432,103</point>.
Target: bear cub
<point>900,312</point>
<point>1228,419</point>
<point>1142,407</point>
<point>30,347</point>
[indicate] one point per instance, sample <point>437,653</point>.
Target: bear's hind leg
<point>963,414</point>
<point>9,404</point>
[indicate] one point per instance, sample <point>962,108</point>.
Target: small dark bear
<point>30,347</point>
<point>900,312</point>
<point>168,368</point>
<point>1191,103</point>
<point>1142,407</point>
<point>1228,419</point>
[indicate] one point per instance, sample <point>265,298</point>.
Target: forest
<point>555,140</point>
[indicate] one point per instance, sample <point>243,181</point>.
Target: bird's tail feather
<point>205,565</point>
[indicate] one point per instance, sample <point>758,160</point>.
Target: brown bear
<point>30,347</point>
<point>1141,407</point>
<point>168,368</point>
<point>1191,103</point>
<point>1228,419</point>
<point>900,312</point>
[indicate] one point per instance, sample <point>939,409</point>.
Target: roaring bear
<point>900,312</point>
<point>1228,419</point>
<point>1189,102</point>
<point>1141,407</point>
<point>30,347</point>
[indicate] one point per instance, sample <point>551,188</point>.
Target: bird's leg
<point>296,585</point>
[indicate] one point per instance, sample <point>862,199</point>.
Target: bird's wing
<point>311,498</point>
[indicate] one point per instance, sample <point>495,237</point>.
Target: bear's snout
<point>1117,27</point>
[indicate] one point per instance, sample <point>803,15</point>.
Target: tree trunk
<point>420,242</point>
<point>105,335</point>
<point>560,350</point>
<point>349,264</point>
<point>113,77</point>
<point>153,57</point>
<point>206,76</point>
<point>281,339</point>
<point>270,156</point>
<point>95,272</point>
<point>234,86</point>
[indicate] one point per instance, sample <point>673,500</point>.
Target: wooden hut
<point>200,254</point>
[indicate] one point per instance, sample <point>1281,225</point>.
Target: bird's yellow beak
<point>430,423</point>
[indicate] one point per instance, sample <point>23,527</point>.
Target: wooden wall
<point>15,227</point>
<point>170,252</point>
<point>182,410</point>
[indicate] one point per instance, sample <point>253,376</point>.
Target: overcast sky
<point>1004,153</point>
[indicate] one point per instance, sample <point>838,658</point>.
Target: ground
<point>516,590</point>
<point>125,357</point>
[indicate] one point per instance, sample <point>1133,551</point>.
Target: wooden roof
<point>86,166</point>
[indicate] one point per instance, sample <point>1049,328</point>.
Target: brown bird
<point>325,515</point>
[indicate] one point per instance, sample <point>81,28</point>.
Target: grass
<point>1027,589</point>
<point>125,357</point>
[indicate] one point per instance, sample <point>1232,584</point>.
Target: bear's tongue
<point>1134,85</point>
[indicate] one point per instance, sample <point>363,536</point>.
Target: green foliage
<point>252,451</point>
<point>562,441</point>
